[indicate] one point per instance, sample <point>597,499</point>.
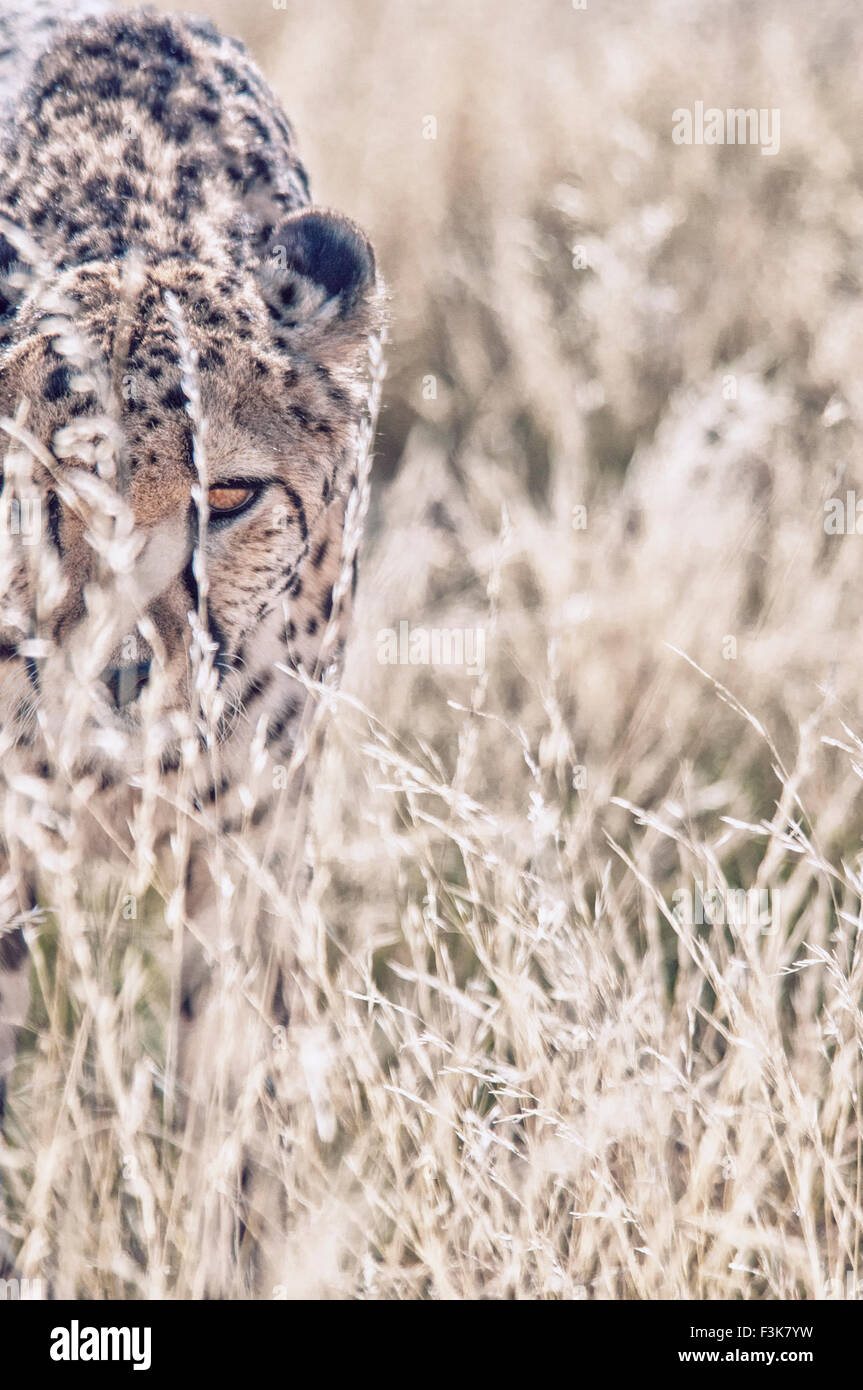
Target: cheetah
<point>184,339</point>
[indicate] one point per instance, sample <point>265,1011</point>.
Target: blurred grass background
<point>543,1084</point>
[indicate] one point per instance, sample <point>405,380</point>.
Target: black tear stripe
<point>222,659</point>
<point>54,518</point>
<point>188,576</point>
<point>32,672</point>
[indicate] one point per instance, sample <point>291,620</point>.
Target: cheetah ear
<point>320,285</point>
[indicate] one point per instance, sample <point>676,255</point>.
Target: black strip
<point>255,688</point>
<point>297,502</point>
<point>54,518</point>
<point>222,658</point>
<point>188,575</point>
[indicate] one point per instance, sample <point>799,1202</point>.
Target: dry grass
<point>513,1070</point>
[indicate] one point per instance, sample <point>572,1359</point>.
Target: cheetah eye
<point>228,499</point>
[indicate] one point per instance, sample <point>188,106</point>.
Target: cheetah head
<point>103,397</point>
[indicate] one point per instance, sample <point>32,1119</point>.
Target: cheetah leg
<point>14,1007</point>
<point>235,1003</point>
<point>14,980</point>
<point>219,1035</point>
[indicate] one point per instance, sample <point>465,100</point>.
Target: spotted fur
<point>152,169</point>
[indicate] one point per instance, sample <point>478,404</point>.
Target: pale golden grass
<point>512,1070</point>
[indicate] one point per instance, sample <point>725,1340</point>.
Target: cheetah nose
<point>126,682</point>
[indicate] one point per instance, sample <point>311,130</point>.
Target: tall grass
<point>536,1049</point>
